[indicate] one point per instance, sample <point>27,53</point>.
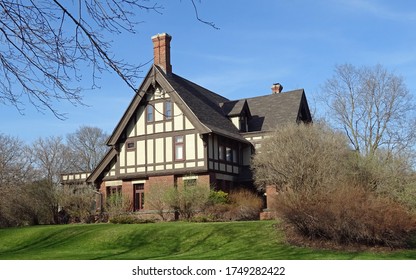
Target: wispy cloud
<point>392,11</point>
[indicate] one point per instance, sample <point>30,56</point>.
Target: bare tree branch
<point>373,107</point>
<point>210,23</point>
<point>46,44</point>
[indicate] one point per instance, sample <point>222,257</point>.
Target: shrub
<point>158,199</point>
<point>117,204</point>
<point>129,219</point>
<point>347,215</point>
<point>77,203</point>
<point>217,197</point>
<point>188,200</point>
<point>240,205</point>
<point>219,212</point>
<point>301,156</point>
<point>246,205</point>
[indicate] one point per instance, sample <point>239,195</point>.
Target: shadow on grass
<point>257,240</point>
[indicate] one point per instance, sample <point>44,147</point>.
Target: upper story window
<point>221,152</point>
<point>243,124</point>
<point>179,148</point>
<point>150,113</point>
<point>228,154</point>
<point>168,110</point>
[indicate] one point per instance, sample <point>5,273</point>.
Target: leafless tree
<point>15,162</point>
<point>373,106</point>
<point>51,157</point>
<point>88,147</point>
<point>48,44</point>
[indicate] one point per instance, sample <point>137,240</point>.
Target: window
<point>189,183</point>
<point>113,190</point>
<point>221,152</point>
<point>138,197</point>
<point>228,154</point>
<point>130,145</point>
<point>150,113</point>
<point>168,110</point>
<point>243,124</point>
<point>179,148</point>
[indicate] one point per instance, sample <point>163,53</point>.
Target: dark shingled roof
<point>268,111</point>
<point>205,105</point>
<point>275,109</point>
<point>213,110</point>
<point>233,108</point>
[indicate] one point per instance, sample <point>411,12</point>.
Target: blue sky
<point>294,42</point>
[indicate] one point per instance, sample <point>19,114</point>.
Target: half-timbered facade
<point>175,130</point>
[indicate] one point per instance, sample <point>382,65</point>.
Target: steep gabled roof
<point>271,110</point>
<point>205,106</point>
<point>95,174</point>
<point>235,108</point>
<point>198,103</point>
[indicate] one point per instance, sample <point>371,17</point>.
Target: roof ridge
<point>268,95</point>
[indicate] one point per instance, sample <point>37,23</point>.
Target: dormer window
<point>243,124</point>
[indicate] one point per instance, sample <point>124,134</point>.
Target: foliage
<point>246,205</point>
<point>217,197</point>
<point>157,198</point>
<point>330,193</point>
<point>347,215</point>
<point>127,218</point>
<point>386,175</point>
<point>27,204</point>
<point>117,204</point>
<point>300,156</point>
<point>238,205</point>
<point>30,177</point>
<point>187,199</point>
<point>78,202</point>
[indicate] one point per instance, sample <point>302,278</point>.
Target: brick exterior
<point>161,52</point>
<point>271,194</point>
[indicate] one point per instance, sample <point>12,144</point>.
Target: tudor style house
<point>175,130</point>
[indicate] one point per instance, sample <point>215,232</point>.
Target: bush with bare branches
<point>330,193</point>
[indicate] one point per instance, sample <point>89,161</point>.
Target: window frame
<point>177,145</point>
<point>221,152</point>
<point>130,143</point>
<point>150,111</point>
<point>228,154</point>
<point>166,107</point>
<point>138,197</point>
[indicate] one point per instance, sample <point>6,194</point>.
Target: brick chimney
<point>161,52</point>
<point>277,88</point>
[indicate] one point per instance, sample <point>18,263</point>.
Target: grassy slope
<point>214,241</point>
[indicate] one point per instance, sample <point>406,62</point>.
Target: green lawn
<point>256,240</point>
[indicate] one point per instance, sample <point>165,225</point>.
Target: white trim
<point>190,177</point>
<point>113,183</point>
<point>138,182</point>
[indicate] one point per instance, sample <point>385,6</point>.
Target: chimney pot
<point>161,52</point>
<point>277,88</point>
